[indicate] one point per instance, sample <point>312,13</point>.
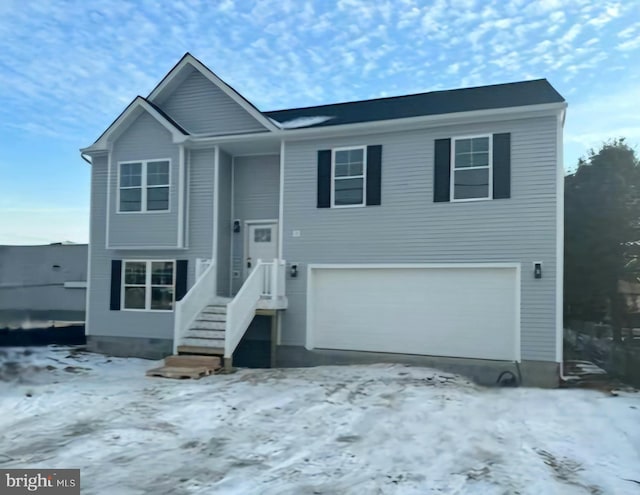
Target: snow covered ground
<point>328,430</point>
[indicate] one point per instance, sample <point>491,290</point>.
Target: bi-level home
<point>426,226</point>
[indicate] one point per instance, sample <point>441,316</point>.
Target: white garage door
<point>450,311</point>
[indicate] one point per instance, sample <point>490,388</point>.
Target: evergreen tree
<point>602,214</point>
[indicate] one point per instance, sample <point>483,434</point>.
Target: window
<point>148,285</point>
<point>349,177</point>
<point>144,186</point>
<point>262,235</point>
<point>471,170</point>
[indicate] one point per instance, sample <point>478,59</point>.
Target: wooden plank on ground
<point>193,373</point>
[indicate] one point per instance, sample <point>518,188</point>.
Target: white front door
<point>262,244</point>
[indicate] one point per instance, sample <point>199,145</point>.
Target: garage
<point>456,310</point>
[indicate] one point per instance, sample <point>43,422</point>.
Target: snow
<point>341,430</point>
<point>302,122</point>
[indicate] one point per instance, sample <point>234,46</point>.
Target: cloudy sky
<point>68,68</point>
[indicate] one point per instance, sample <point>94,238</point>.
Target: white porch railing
<point>199,296</point>
<point>265,283</point>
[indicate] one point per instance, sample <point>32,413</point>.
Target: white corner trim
<point>216,200</point>
<point>76,284</point>
<point>181,186</point>
<point>232,211</point>
<point>187,197</point>
<point>518,309</point>
<point>560,239</point>
<point>309,339</point>
<point>109,192</point>
<point>188,59</point>
<point>281,203</point>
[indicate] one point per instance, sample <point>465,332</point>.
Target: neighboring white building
<point>42,283</point>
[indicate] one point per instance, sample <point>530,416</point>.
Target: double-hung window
<point>148,285</point>
<point>471,168</point>
<point>144,186</point>
<point>349,177</point>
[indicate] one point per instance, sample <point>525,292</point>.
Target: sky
<point>68,68</point>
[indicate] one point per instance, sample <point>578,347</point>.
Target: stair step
<point>215,309</point>
<point>205,333</point>
<point>212,316</point>
<point>186,361</point>
<point>208,325</point>
<point>200,350</point>
<point>203,342</point>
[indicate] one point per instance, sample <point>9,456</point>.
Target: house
<point>422,227</point>
<point>39,284</point>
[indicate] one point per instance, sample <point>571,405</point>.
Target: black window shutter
<point>441,170</point>
<point>116,283</point>
<point>181,278</point>
<point>374,174</point>
<point>324,178</point>
<point>502,166</point>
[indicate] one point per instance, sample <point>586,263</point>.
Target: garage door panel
<point>462,312</point>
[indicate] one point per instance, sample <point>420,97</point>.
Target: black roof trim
<point>169,119</point>
<point>515,94</point>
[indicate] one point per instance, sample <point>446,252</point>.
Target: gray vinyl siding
<point>408,227</point>
<point>144,139</point>
<point>142,324</point>
<point>200,208</point>
<point>201,107</point>
<point>224,224</point>
<point>256,196</point>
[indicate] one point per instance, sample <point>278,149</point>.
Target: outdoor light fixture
<point>537,269</point>
<point>236,226</point>
<point>293,271</point>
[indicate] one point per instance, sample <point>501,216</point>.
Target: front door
<point>262,244</point>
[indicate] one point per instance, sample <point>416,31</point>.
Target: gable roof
<point>133,110</point>
<point>493,97</point>
<point>497,96</point>
<point>165,86</point>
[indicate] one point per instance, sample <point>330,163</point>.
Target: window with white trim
<point>471,168</point>
<point>148,285</point>
<point>144,186</point>
<point>349,173</point>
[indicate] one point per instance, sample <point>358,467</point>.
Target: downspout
<point>85,158</point>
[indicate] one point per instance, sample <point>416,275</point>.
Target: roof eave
<point>402,123</point>
<point>102,143</point>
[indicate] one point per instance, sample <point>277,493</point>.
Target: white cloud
<point>629,45</point>
<point>610,13</point>
<point>604,116</point>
